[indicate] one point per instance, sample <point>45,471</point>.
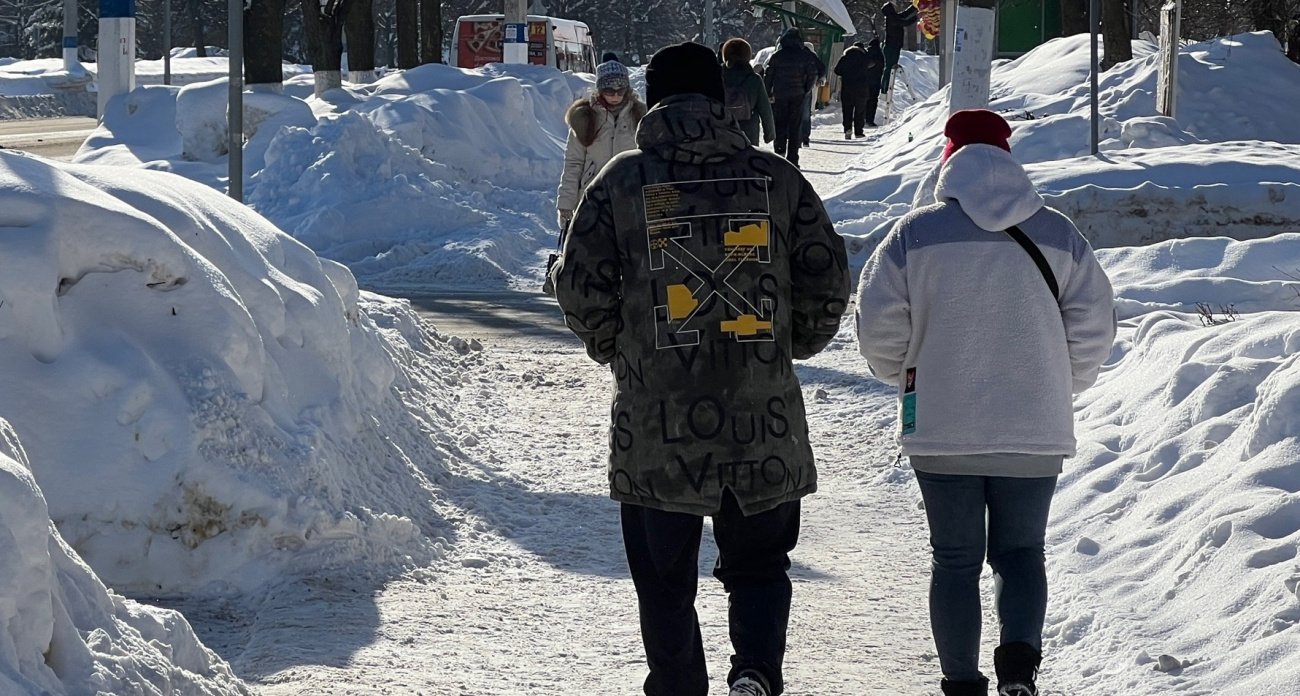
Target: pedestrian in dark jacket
<point>875,69</point>
<point>895,23</point>
<point>698,268</point>
<point>986,374</point>
<point>746,95</point>
<point>855,69</point>
<point>811,98</point>
<point>790,76</point>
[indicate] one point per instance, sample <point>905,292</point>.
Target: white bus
<point>559,43</point>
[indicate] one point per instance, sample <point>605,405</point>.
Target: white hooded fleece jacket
<point>952,299</point>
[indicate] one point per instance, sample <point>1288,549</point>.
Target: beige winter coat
<point>595,136</point>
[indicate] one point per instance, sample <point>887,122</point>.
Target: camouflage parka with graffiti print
<point>698,268</point>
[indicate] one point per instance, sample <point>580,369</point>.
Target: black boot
<point>1017,668</point>
<point>979,687</point>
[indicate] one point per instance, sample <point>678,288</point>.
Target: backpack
<point>738,103</point>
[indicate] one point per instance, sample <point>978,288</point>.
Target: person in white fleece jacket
<point>957,314</point>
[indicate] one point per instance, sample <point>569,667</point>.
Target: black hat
<point>610,55</point>
<point>685,68</point>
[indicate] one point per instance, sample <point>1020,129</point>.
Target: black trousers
<point>788,114</point>
<point>855,110</point>
<point>873,102</point>
<point>663,551</point>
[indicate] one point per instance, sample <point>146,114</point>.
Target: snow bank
<point>1175,530</point>
<point>203,398</point>
<point>63,632</point>
<point>1236,103</point>
<point>431,177</point>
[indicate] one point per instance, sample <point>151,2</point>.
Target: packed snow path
<point>534,595</point>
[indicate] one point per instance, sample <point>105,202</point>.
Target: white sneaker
<point>749,684</point>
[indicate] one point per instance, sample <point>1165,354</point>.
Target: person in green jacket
<point>746,95</point>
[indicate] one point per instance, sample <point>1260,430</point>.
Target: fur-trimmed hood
<point>581,116</point>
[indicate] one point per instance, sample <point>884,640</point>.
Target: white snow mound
<point>203,397</point>
<point>62,632</point>
<point>1157,178</point>
<point>430,177</point>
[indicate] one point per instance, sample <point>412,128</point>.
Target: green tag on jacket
<point>909,402</point>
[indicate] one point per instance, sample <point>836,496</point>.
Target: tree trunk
<point>1293,42</point>
<point>430,31</point>
<point>1269,15</point>
<point>263,38</point>
<point>360,26</point>
<point>1074,17</point>
<point>1116,33</point>
<point>324,29</point>
<point>196,24</point>
<point>408,34</point>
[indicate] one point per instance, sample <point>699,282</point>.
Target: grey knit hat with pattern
<point>611,75</point>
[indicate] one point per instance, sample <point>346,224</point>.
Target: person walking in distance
<point>790,75</point>
<point>895,24</point>
<point>698,268</point>
<point>601,125</point>
<point>810,99</point>
<point>875,69</point>
<point>855,69</point>
<point>988,311</point>
<point>747,98</point>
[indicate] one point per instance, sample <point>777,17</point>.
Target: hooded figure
<point>858,90</point>
<point>988,311</point>
<point>790,75</point>
<point>746,96</point>
<point>698,268</point>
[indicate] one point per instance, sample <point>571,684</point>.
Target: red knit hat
<point>971,126</point>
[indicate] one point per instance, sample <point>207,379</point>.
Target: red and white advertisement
<point>480,43</point>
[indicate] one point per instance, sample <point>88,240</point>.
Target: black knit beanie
<point>686,68</point>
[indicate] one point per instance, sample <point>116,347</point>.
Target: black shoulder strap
<point>1037,255</point>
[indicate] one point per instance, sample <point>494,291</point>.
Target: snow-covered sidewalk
<point>534,596</point>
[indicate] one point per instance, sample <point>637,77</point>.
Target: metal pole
<point>235,113</point>
<point>167,42</point>
<point>1093,16</point>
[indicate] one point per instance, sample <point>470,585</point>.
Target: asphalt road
<point>56,138</point>
<point>491,316</point>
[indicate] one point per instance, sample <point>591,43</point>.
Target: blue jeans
<point>1013,539</point>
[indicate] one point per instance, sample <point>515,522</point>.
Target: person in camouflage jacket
<point>698,268</point>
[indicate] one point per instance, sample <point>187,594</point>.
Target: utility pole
<point>70,63</point>
<point>235,112</point>
<point>972,56</point>
<point>514,44</point>
<point>1094,15</point>
<point>1167,75</point>
<point>116,49</point>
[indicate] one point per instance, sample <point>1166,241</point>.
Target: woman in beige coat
<point>600,126</point>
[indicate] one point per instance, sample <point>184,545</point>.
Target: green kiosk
<point>1026,24</point>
